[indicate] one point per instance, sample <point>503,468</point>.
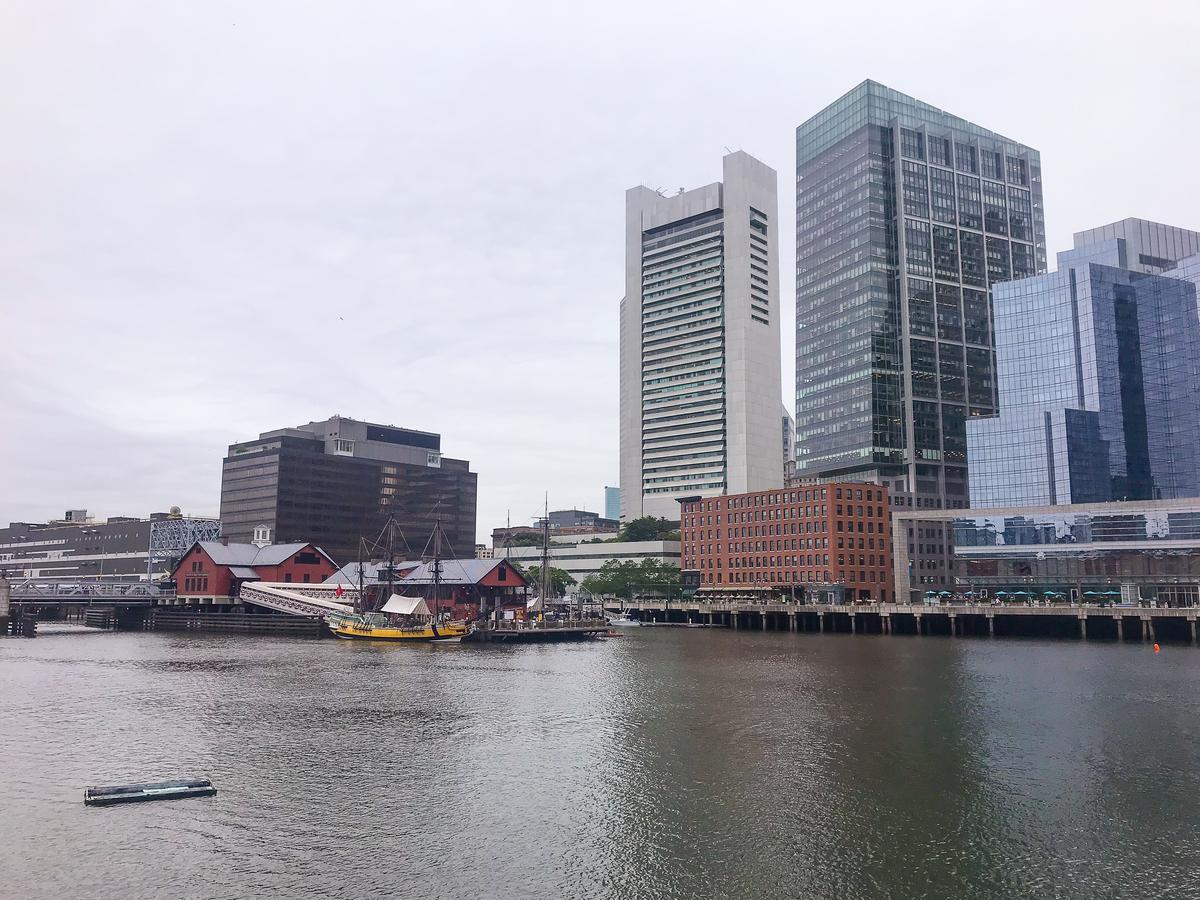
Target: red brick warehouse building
<point>211,572</point>
<point>801,540</point>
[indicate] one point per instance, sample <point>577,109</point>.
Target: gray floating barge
<point>545,632</point>
<point>141,793</point>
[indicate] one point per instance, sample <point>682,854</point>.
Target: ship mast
<point>437,575</point>
<point>391,566</point>
<point>359,601</point>
<point>547,582</point>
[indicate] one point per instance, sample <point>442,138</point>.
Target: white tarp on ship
<point>406,606</point>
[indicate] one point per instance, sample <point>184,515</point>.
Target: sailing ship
<point>400,618</point>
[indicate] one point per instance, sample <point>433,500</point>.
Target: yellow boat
<point>377,628</point>
<point>401,618</point>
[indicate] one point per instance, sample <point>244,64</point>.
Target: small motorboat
<point>622,621</point>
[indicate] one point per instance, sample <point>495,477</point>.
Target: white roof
<point>406,606</point>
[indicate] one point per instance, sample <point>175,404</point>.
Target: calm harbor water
<point>669,763</point>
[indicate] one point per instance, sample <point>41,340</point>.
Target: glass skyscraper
<point>1099,376</point>
<point>905,218</point>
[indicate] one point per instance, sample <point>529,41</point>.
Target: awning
<point>406,606</point>
<point>244,572</point>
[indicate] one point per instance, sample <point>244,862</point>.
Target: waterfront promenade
<point>1086,621</point>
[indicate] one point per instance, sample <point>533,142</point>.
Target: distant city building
<point>802,540</point>
<point>212,572</point>
<point>700,370</point>
<point>789,446</point>
<point>905,216</point>
<point>612,503</point>
<point>1098,379</point>
<point>580,558</point>
<point>1141,550</point>
<point>335,482</point>
<point>577,518</point>
<point>120,548</point>
<point>527,534</point>
<point>483,551</point>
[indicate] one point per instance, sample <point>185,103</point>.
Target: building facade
<point>801,540</point>
<point>581,558</point>
<point>211,572</point>
<point>1097,373</point>
<point>788,426</point>
<point>577,518</point>
<point>1141,550</point>
<point>905,217</point>
<point>612,503</point>
<point>700,369</point>
<point>337,481</point>
<point>118,549</point>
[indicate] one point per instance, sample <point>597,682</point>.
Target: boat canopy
<point>406,606</point>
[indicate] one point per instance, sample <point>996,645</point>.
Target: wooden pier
<point>243,623</point>
<point>1079,621</point>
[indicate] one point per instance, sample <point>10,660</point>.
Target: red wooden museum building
<point>211,572</point>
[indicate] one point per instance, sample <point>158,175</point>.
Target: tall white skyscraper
<point>700,379</point>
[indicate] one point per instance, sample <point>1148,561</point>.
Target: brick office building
<point>805,539</point>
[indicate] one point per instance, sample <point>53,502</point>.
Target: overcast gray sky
<point>221,218</point>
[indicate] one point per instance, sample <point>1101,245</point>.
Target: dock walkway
<point>1064,620</point>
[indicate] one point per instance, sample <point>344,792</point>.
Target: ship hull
<point>446,634</point>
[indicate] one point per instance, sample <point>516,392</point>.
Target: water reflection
<point>669,763</point>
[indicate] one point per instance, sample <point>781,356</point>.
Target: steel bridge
<point>35,590</point>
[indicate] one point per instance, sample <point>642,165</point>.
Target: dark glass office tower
<point>905,217</point>
<point>336,481</point>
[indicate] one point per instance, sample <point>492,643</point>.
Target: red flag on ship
<point>339,591</point>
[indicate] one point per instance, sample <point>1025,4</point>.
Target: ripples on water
<point>669,763</point>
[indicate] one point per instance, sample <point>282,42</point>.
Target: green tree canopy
<point>625,578</point>
<point>649,528</point>
<point>560,580</point>
<point>526,540</point>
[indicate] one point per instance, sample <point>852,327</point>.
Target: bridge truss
<point>171,538</point>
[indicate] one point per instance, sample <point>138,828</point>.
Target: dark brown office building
<point>334,482</point>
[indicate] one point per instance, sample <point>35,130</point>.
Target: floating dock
<point>548,632</point>
<point>155,790</point>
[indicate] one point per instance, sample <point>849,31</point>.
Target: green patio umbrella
<point>1112,593</point>
<point>1022,594</point>
<point>1091,593</point>
<point>1001,593</point>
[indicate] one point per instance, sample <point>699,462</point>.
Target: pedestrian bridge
<point>310,600</point>
<point>84,590</point>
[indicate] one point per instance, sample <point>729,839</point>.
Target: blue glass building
<point>1098,375</point>
<point>612,503</point>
